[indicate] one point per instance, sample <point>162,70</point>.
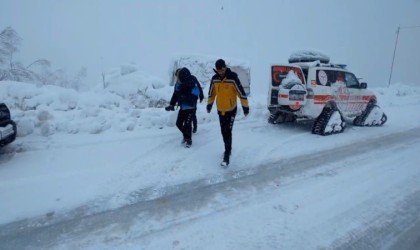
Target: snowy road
<point>341,198</point>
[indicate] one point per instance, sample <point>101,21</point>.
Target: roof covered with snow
<point>308,56</point>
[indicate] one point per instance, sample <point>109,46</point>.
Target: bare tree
<point>39,62</point>
<point>9,44</point>
<point>80,77</point>
<point>13,70</point>
<point>39,71</point>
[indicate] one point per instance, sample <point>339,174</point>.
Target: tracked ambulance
<point>310,87</point>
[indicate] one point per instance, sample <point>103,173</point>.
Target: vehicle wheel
<point>371,116</point>
<point>330,121</point>
<point>273,117</point>
<point>276,117</point>
<point>290,118</point>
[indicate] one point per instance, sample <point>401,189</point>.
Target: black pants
<point>194,119</point>
<point>226,125</point>
<point>183,122</point>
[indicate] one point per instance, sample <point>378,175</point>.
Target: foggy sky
<point>103,34</point>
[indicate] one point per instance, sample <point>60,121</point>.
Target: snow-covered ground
<point>111,162</point>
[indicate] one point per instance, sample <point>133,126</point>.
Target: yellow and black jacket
<point>225,91</point>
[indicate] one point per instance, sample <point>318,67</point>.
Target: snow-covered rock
<point>202,67</point>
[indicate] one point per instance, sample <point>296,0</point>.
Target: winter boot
<point>188,143</point>
<point>225,161</point>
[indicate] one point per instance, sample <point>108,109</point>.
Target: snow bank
<point>131,100</point>
<point>139,88</point>
<point>398,94</point>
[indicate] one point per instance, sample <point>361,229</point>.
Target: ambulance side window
<point>351,81</point>
<point>329,77</point>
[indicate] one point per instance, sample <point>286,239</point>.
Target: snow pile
<point>136,86</point>
<point>131,98</point>
<point>49,110</point>
<point>398,94</point>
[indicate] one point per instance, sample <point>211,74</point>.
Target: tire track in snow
<point>185,200</point>
<point>404,227</point>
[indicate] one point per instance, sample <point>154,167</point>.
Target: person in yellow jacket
<point>225,88</point>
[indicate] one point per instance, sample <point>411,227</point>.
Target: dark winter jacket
<point>186,91</point>
<point>201,95</point>
<point>226,91</point>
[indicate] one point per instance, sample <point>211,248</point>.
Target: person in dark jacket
<point>185,95</point>
<point>225,88</point>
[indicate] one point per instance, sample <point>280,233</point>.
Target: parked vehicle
<point>310,87</point>
<point>7,126</point>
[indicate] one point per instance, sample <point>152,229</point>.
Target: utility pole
<point>103,73</point>
<point>395,49</point>
<point>393,57</point>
